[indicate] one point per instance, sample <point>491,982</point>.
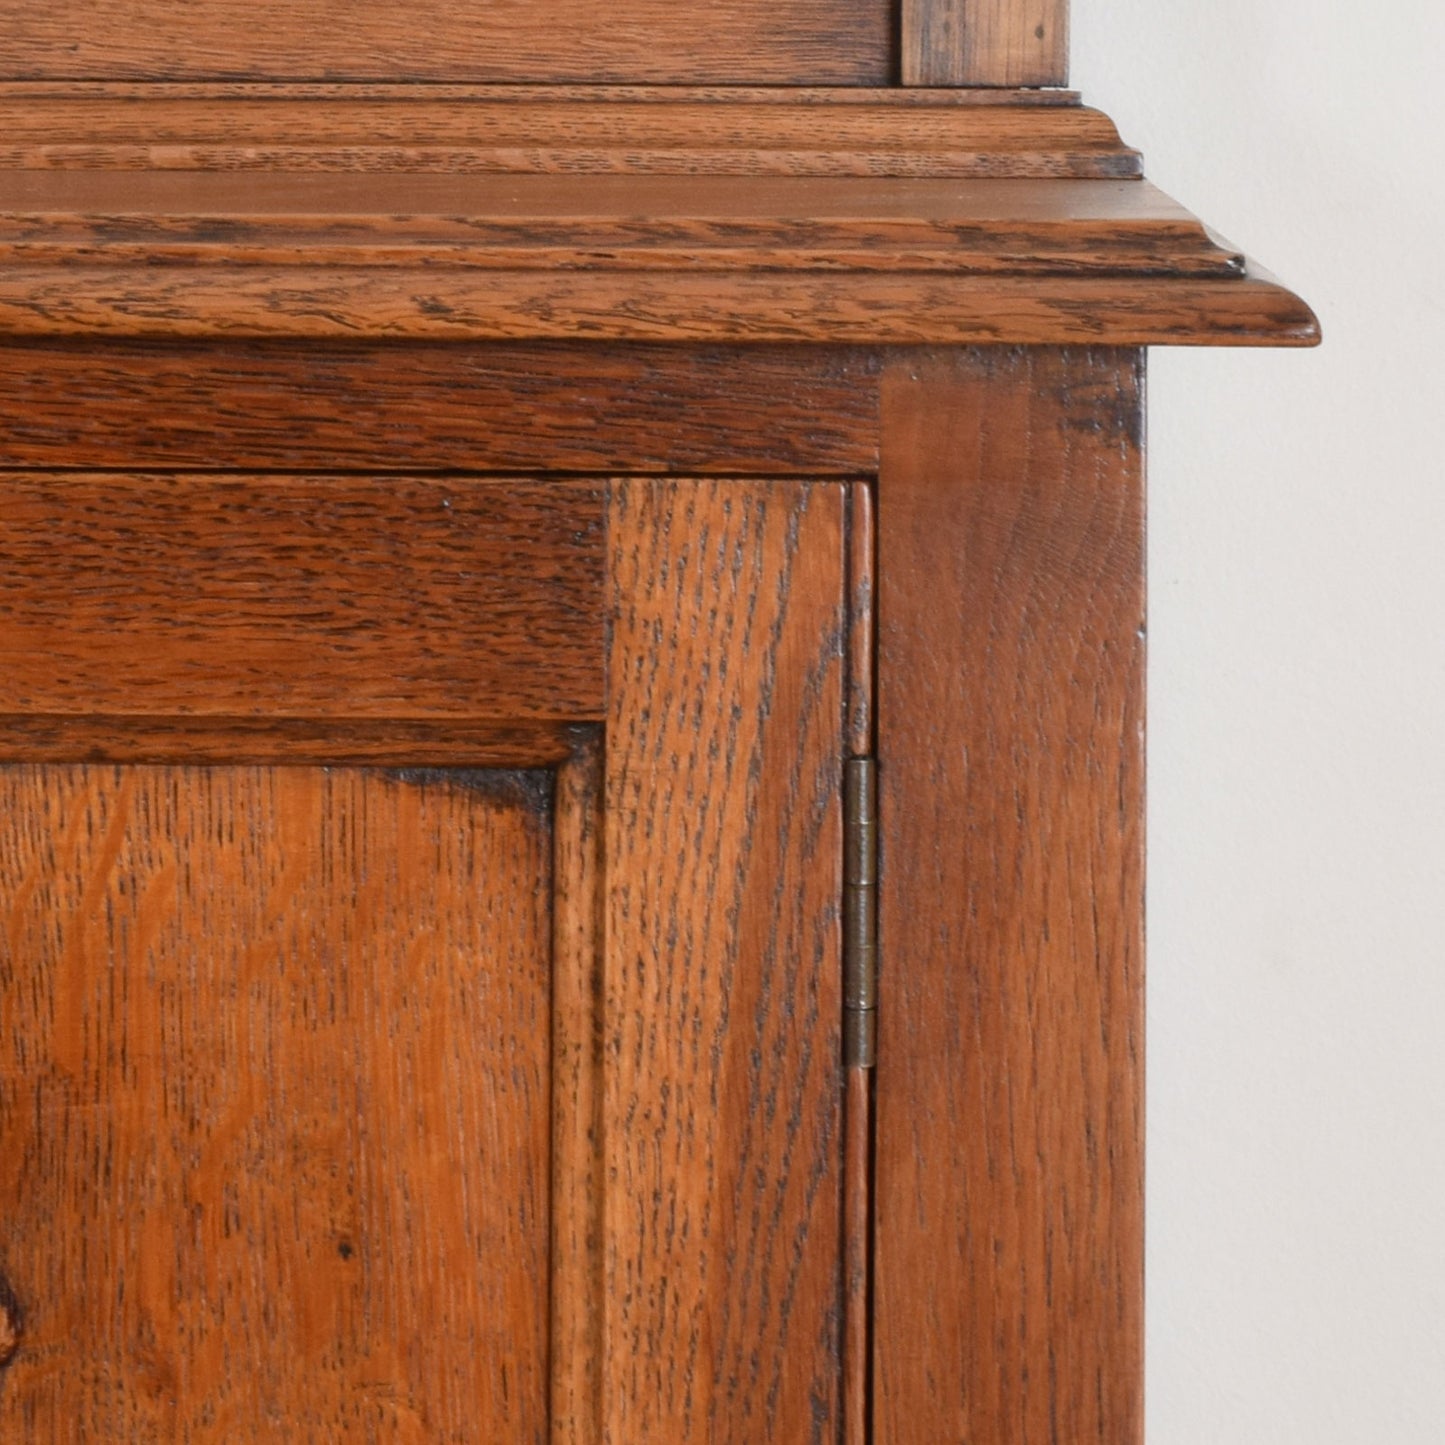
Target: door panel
<point>274,1062</point>
<point>351,1089</point>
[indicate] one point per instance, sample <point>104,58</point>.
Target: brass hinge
<point>860,913</point>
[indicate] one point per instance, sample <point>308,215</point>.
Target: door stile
<point>578,1132</point>
<point>727,625</point>
<point>858,942</point>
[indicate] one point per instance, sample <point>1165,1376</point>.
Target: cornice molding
<point>878,217</point>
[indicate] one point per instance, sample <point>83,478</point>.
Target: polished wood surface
<point>1009,1082</point>
<point>1005,226</point>
<point>300,596</point>
<point>772,411</point>
<point>208,738</point>
<point>787,41</point>
<point>579,1164</point>
<point>985,42</point>
<point>723,1083</point>
<point>274,1095</point>
<point>860,742</point>
<point>564,130</point>
<point>634,216</point>
<point>852,308</point>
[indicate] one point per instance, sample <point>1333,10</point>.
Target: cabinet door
<point>419,992</point>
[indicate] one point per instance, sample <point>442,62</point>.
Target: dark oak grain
<point>723,1004</point>
<point>296,407</point>
<point>274,1095</point>
<point>634,217</point>
<point>579,1167</point>
<point>43,737</point>
<point>523,93</point>
<point>848,307</point>
<point>862,618</point>
<point>858,1087</point>
<point>857,1255</point>
<point>1009,1082</point>
<point>519,131</point>
<point>606,223</point>
<point>786,41</point>
<point>301,596</point>
<point>985,42</point>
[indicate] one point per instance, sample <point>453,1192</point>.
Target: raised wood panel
<point>732,42</point>
<point>1009,1083</point>
<point>274,1096</point>
<point>722,1004</point>
<point>985,42</point>
<point>300,596</point>
<point>490,408</point>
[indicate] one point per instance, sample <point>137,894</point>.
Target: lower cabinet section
<point>423,906</point>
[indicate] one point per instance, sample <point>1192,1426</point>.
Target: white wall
<point>1297,767</point>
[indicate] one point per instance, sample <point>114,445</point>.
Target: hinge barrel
<point>860,912</point>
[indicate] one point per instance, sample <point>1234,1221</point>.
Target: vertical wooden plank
<point>1009,1107</point>
<point>723,1002</point>
<point>274,1103</point>
<point>862,633</point>
<point>857,1250</point>
<point>858,1095</point>
<point>578,1168</point>
<point>985,42</point>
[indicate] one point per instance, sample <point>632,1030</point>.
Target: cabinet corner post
<point>1009,1128</point>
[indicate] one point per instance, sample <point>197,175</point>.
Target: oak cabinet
<point>571,671</point>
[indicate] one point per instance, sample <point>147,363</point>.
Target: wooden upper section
<point>660,42</point>
<point>888,216</point>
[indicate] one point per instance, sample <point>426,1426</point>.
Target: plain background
<point>1296,1245</point>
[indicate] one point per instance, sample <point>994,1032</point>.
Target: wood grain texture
<point>858,1088</point>
<point>522,93</point>
<point>785,41</point>
<point>274,1096</point>
<point>857,1256</point>
<point>723,1003</point>
<point>830,308</point>
<point>652,224</point>
<point>524,130</point>
<point>1009,1085</point>
<point>492,408</point>
<point>862,618</point>
<point>985,42</point>
<point>579,1168</point>
<point>160,738</point>
<point>300,596</point>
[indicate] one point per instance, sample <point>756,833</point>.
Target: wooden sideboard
<point>571,704</point>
